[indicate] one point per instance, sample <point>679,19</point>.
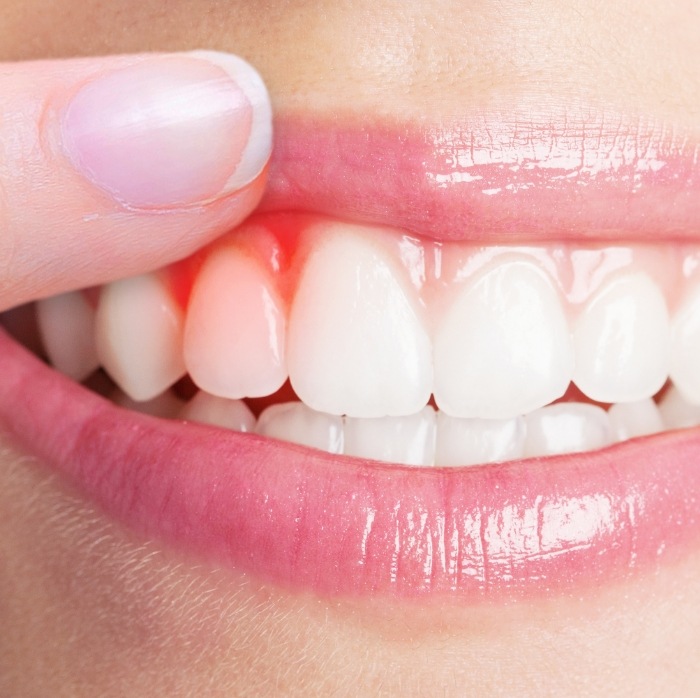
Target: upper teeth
<point>357,342</point>
<point>368,323</point>
<point>503,348</point>
<point>622,341</point>
<point>234,342</point>
<point>138,333</point>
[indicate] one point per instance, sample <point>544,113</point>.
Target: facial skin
<point>87,608</point>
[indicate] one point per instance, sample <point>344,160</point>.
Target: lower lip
<point>343,527</point>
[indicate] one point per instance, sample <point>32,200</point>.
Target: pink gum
<point>436,270</point>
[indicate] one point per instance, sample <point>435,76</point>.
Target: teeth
<point>218,411</point>
<point>474,441</point>
<point>166,405</point>
<point>235,333</point>
<point>138,329</point>
<point>677,412</point>
<point>408,440</point>
<point>295,422</point>
<point>67,327</point>
<point>622,341</point>
<point>567,427</point>
<point>504,347</point>
<point>631,419</point>
<point>685,350</point>
<point>367,323</point>
<point>356,344</point>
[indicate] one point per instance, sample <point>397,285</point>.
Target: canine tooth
<point>685,347</point>
<point>218,411</point>
<point>622,341</point>
<point>567,427</point>
<point>138,330</point>
<point>166,405</point>
<point>235,329</point>
<point>295,422</point>
<point>356,344</point>
<point>67,326</point>
<point>503,347</point>
<point>631,419</point>
<point>677,412</point>
<point>408,440</point>
<point>474,441</point>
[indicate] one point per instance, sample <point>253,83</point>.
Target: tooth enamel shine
<point>567,427</point>
<point>138,329</point>
<point>295,422</point>
<point>357,345</point>
<point>622,341</point>
<point>503,348</point>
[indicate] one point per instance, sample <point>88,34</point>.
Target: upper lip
<point>500,177</point>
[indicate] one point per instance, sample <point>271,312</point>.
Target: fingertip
<point>171,130</point>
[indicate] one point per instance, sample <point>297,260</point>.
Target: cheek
<point>418,57</point>
<point>81,601</point>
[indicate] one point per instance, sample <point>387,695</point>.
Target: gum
<point>437,270</point>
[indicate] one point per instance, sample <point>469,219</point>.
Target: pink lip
<point>338,526</point>
<point>496,177</point>
<point>308,520</point>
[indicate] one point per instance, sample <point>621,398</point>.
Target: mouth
<point>447,363</point>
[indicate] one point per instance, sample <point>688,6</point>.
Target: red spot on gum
<point>272,239</point>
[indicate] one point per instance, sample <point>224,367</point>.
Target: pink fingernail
<point>171,130</point>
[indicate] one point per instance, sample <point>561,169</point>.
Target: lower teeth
<point>430,437</point>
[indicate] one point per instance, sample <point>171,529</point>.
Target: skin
<point>87,609</point>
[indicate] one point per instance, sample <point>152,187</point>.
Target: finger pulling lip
<point>494,176</point>
<point>345,527</point>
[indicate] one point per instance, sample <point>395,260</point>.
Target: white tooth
<point>218,411</point>
<point>67,327</point>
<point>567,427</point>
<point>474,441</point>
<point>631,419</point>
<point>166,405</point>
<point>677,412</point>
<point>504,347</point>
<point>622,341</point>
<point>295,422</point>
<point>138,329</point>
<point>685,347</point>
<point>235,328</point>
<point>408,440</point>
<point>356,343</point>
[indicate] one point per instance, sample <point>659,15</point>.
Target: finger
<point>118,165</point>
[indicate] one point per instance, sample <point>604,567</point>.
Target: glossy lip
<point>495,177</point>
<point>345,527</point>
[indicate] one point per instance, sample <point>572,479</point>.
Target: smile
<point>454,363</point>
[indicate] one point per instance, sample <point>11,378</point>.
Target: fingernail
<point>171,130</point>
